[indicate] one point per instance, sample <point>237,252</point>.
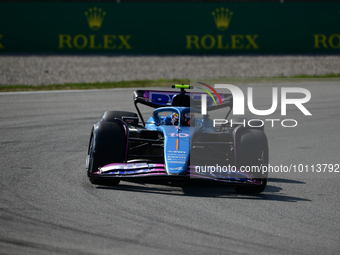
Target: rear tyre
<point>252,150</point>
<point>255,124</point>
<point>107,145</point>
<point>112,115</point>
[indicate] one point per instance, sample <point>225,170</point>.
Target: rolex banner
<point>169,28</point>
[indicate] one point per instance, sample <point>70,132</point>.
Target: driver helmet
<point>174,119</point>
<point>188,119</point>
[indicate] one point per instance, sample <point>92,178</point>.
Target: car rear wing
<point>157,99</point>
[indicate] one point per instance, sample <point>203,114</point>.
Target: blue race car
<point>175,145</point>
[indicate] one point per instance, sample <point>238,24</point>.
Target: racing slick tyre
<point>112,115</point>
<point>107,145</point>
<point>255,124</point>
<point>252,150</point>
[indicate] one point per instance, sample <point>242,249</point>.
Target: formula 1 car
<point>175,145</point>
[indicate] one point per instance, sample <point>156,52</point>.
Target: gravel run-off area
<point>50,69</point>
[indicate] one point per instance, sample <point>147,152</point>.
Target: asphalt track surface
<point>48,206</point>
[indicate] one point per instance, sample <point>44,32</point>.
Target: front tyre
<point>107,145</point>
<point>252,150</point>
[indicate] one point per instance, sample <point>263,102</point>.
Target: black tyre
<point>107,145</point>
<point>112,115</point>
<point>255,123</point>
<point>252,150</point>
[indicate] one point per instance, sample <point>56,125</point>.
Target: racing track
<point>49,207</point>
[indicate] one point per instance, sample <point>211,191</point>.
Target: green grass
<point>95,85</point>
<point>161,83</point>
<point>332,75</point>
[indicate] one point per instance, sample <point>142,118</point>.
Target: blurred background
<point>58,42</point>
<point>170,27</point>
